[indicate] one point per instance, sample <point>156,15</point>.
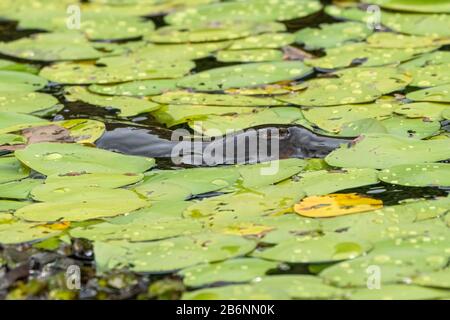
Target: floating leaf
<point>246,75</point>
<point>429,110</point>
<point>17,232</point>
<point>336,205</point>
<point>120,69</point>
<point>383,151</point>
<point>332,35</point>
<point>80,206</point>
<point>274,287</point>
<point>11,170</point>
<point>18,189</point>
<point>13,81</point>
<point>263,41</point>
<point>414,6</point>
<point>323,182</point>
<point>128,106</point>
<point>135,88</point>
<point>207,99</point>
<point>252,10</point>
<point>434,94</point>
<point>59,158</point>
<point>395,41</point>
<point>316,249</point>
<point>216,32</point>
<point>348,54</point>
<point>419,175</point>
<point>249,55</point>
<point>438,279</point>
<point>172,254</point>
<point>411,128</point>
<point>26,102</point>
<point>235,270</point>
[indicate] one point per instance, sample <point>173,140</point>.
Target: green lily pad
<point>235,270</point>
<point>171,115</point>
<point>128,106</point>
<point>26,102</point>
<point>355,85</point>
<point>332,35</point>
<point>215,32</point>
<point>207,99</point>
<point>411,128</point>
<point>419,175</point>
<point>323,182</point>
<point>191,181</point>
<point>345,55</point>
<point>434,94</point>
<point>307,249</point>
<point>11,139</point>
<point>396,41</point>
<point>246,75</point>
<point>10,121</point>
<point>252,10</point>
<point>52,47</point>
<point>135,88</point>
<point>382,151</point>
<point>265,201</point>
<point>446,114</point>
<point>216,125</point>
<point>430,110</point>
<point>80,206</point>
<point>270,288</point>
<point>19,232</point>
<point>438,279</point>
<point>59,186</point>
<point>60,158</point>
<point>171,254</point>
<point>11,205</point>
<point>397,260</point>
<point>263,41</point>
<point>413,5</point>
<point>11,170</point>
<point>431,75</point>
<point>333,118</point>
<point>19,189</point>
<point>120,69</point>
<point>249,55</point>
<point>13,81</point>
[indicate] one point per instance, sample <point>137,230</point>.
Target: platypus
<point>279,142</point>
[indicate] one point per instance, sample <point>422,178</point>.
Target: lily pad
<point>20,232</point>
<point>332,205</point>
<point>249,55</point>
<point>332,35</point>
<point>215,32</point>
<point>19,189</point>
<point>383,151</point>
<point>364,54</point>
<point>252,10</point>
<point>419,175</point>
<point>80,206</point>
<point>438,279</point>
<point>119,70</point>
<point>52,47</point>
<point>13,81</point>
<point>207,99</point>
<point>414,6</point>
<point>128,106</point>
<point>396,41</point>
<point>411,128</point>
<point>135,88</point>
<point>172,254</point>
<point>246,75</point>
<point>235,270</point>
<point>429,110</point>
<point>263,41</point>
<point>434,94</point>
<point>60,158</point>
<point>316,249</point>
<point>26,102</point>
<point>11,170</point>
<point>397,260</point>
<point>399,292</point>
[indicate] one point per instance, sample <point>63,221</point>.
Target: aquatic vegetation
<point>355,112</point>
